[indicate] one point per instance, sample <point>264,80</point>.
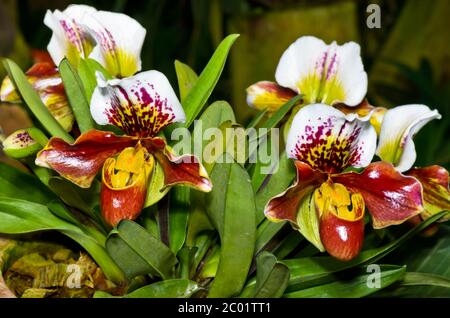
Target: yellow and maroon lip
<point>124,184</point>
<point>341,219</point>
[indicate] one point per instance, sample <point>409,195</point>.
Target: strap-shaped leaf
<point>231,207</point>
<point>199,94</point>
<point>77,96</point>
<point>20,185</point>
<point>357,286</point>
<point>272,277</point>
<point>156,255</point>
<point>187,78</point>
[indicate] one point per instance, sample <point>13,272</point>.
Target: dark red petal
<point>285,205</point>
<point>185,170</point>
<point>81,161</point>
<point>342,239</point>
<point>391,198</point>
<point>41,56</point>
<point>436,193</point>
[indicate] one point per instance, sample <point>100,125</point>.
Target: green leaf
<point>308,221</point>
<point>425,279</point>
<point>76,95</point>
<point>309,271</point>
<point>19,217</point>
<point>33,101</point>
<point>171,288</point>
<point>156,189</point>
<point>155,253</point>
<point>86,71</point>
<point>357,286</point>
<point>20,185</point>
<point>257,119</point>
<point>199,94</point>
<point>83,199</point>
<point>275,119</point>
<point>131,263</point>
<point>427,257</point>
<point>37,136</point>
<point>218,115</point>
<point>231,207</point>
<point>178,217</point>
<point>186,257</point>
<point>187,78</point>
<point>266,232</point>
<point>270,185</point>
<point>272,277</point>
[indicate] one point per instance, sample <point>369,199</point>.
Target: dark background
<point>407,59</point>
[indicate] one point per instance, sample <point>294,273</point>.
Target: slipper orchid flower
<point>141,106</point>
<point>327,74</point>
<point>113,39</point>
<point>396,145</point>
<point>325,142</point>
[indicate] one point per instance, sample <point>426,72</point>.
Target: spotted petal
<point>81,161</point>
<point>69,38</point>
<point>46,81</point>
<point>323,73</point>
<point>390,197</point>
<point>119,41</point>
<point>399,126</point>
<point>285,206</point>
<point>329,140</point>
<point>436,193</point>
<point>268,96</point>
<point>140,105</point>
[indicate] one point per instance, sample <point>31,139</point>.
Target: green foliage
<point>231,208</point>
<point>200,92</point>
<point>76,94</point>
<point>137,252</point>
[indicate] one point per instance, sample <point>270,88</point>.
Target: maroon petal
<point>285,205</point>
<point>81,161</point>
<point>436,193</point>
<point>185,169</point>
<point>391,198</point>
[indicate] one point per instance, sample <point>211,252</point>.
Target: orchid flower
<point>325,142</point>
<point>46,81</point>
<point>327,74</point>
<point>113,39</point>
<point>396,145</point>
<point>141,106</point>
